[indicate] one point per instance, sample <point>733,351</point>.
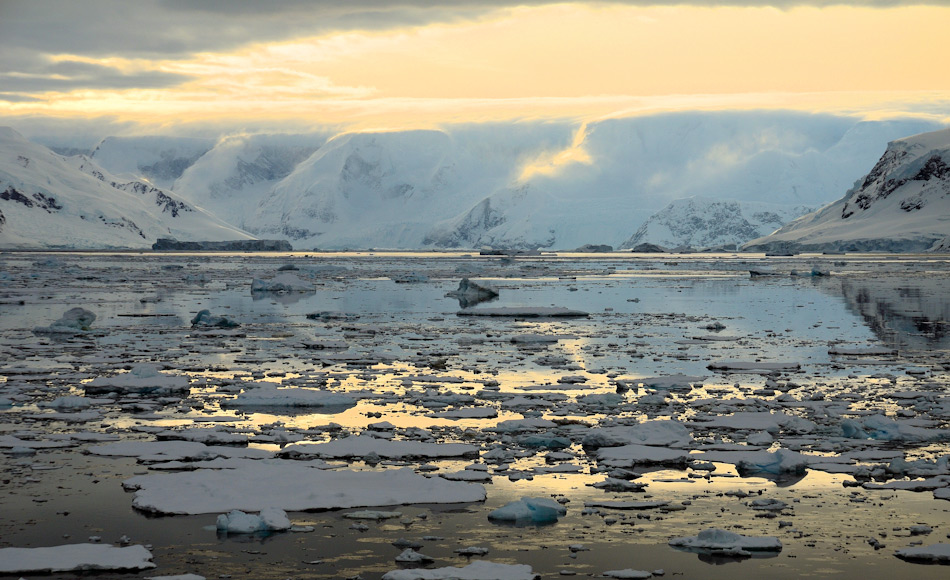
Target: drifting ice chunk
<point>271,395</point>
<point>282,283</point>
<point>721,541</point>
<point>734,366</point>
<point>778,462</point>
<point>934,553</point>
<point>526,312</point>
<point>410,556</point>
<point>73,321</point>
<point>628,574</point>
<point>204,319</point>
<point>361,446</point>
<point>884,428</point>
<point>666,433</point>
<point>671,382</point>
<point>634,454</point>
<point>538,510</point>
<point>143,378</point>
<point>858,351</point>
<point>238,522</point>
<point>480,570</point>
<point>74,557</point>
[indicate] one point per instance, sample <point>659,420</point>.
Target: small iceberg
<point>535,510</point>
<point>74,321</point>
<point>204,319</point>
<point>471,293</point>
<point>238,522</point>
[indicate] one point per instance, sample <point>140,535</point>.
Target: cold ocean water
<point>808,404</point>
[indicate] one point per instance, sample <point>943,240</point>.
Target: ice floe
<point>74,558</point>
<point>724,542</point>
<point>478,570</point>
<point>291,487</point>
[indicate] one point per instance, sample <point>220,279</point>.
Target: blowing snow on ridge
<point>903,205</point>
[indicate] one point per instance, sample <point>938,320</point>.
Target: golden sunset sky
<point>163,64</point>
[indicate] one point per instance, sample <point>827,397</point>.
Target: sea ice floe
<point>671,382</point>
<point>537,510</point>
<point>721,541</point>
<point>665,433</point>
<point>468,413</point>
<point>74,557</point>
<point>201,435</point>
<point>634,454</point>
<point>154,451</point>
<point>142,378</point>
<point>291,487</point>
<point>756,420</point>
<point>525,312</point>
<point>628,574</point>
<point>273,395</point>
<point>735,366</point>
<point>362,445</point>
<point>627,505</point>
<point>478,570</point>
<point>935,553</point>
<point>884,428</point>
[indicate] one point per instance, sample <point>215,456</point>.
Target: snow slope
<point>232,178</point>
<point>49,201</point>
<point>903,204</point>
<point>158,159</point>
<point>698,222</point>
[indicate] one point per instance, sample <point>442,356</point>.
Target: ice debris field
<point>412,416</point>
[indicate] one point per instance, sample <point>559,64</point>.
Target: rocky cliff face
<point>902,204</point>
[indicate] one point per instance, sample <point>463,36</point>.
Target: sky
<point>216,66</point>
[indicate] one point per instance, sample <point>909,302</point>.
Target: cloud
<point>68,75</point>
<point>169,28</point>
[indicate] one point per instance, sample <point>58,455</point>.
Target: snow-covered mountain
<point>155,158</point>
<point>698,222</point>
<point>48,201</point>
<point>519,185</point>
<point>233,177</point>
<point>903,205</point>
<point>616,173</point>
<point>386,189</point>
